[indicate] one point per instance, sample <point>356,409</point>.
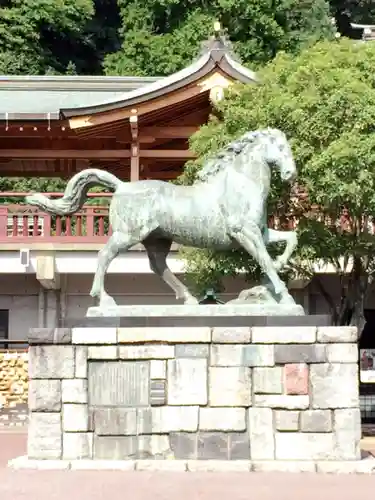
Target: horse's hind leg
<point>157,251</point>
<point>118,241</point>
<point>250,238</point>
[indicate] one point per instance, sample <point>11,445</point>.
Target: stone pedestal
<point>252,396</point>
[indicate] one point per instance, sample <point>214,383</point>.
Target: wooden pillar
<point>134,149</point>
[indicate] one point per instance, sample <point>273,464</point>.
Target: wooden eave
<point>177,87</point>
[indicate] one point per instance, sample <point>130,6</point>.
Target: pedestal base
<point>206,310</point>
<point>364,466</point>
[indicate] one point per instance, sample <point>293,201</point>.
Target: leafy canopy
<point>324,100</point>
<point>161,36</point>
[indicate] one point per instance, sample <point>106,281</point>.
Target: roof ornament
<point>219,44</point>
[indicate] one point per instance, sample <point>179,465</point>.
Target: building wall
<point>30,305</point>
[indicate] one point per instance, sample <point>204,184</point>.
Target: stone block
<point>166,419</point>
<point>239,446</point>
<point>74,391</point>
<point>231,335</point>
<point>115,421</point>
<point>147,352</point>
<point>92,335</point>
<point>284,334</point>
<point>161,465</point>
<point>158,369</point>
<point>227,355</point>
<point>51,362</point>
<point>366,466</point>
<point>112,465</point>
<point>119,383</point>
<point>24,462</point>
<point>284,466</point>
<point>300,353</point>
<point>213,446</point>
<point>222,419</point>
<point>155,446</point>
<point>260,426</point>
<point>334,385</point>
<point>75,418</point>
<point>50,336</point>
<point>184,445</point>
<point>342,353</point>
<point>44,436</point>
<point>115,447</point>
<point>268,380</point>
<point>316,421</point>
<point>45,395</point>
<point>347,431</point>
<point>77,445</point>
<point>218,466</point>
<point>258,355</point>
<point>187,382</point>
<point>172,335</point>
<point>296,379</point>
<point>229,386</point>
<point>281,401</point>
<point>304,446</point>
<point>102,352</point>
<point>287,420</point>
<point>158,392</point>
<point>81,353</point>
<point>337,334</point>
<point>192,351</point>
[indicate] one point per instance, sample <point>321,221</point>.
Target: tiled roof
<point>48,94</point>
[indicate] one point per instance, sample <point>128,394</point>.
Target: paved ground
<point>69,485</point>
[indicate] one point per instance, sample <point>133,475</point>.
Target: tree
<point>324,100</point>
<point>355,11</point>
<point>160,36</point>
<point>44,36</point>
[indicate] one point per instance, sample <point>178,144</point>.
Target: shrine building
<point>136,128</point>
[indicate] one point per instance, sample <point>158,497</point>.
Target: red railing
<point>20,223</point>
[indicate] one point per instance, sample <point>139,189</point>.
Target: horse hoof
<point>191,301</point>
<point>287,299</point>
<point>106,302</point>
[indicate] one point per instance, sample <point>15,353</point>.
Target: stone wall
<point>13,378</point>
<point>256,394</point>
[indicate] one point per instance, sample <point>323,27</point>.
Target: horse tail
<point>75,192</point>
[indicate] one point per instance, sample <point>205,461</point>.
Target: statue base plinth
<point>196,310</point>
<point>211,315</point>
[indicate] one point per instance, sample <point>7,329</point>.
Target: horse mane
<point>225,157</point>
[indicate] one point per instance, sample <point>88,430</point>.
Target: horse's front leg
<point>251,239</point>
<point>290,237</point>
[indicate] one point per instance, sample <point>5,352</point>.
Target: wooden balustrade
<point>20,223</point>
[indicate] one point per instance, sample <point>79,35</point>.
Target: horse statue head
<point>270,144</point>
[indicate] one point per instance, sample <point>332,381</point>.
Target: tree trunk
<point>359,288</point>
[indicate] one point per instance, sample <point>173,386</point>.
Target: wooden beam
<point>93,154</point>
<point>134,149</point>
<point>144,107</point>
<point>57,143</point>
<point>168,154</point>
<point>63,154</point>
<point>169,132</point>
<point>162,175</point>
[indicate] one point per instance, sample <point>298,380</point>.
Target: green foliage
<point>161,36</point>
<point>324,100</point>
<point>54,36</point>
